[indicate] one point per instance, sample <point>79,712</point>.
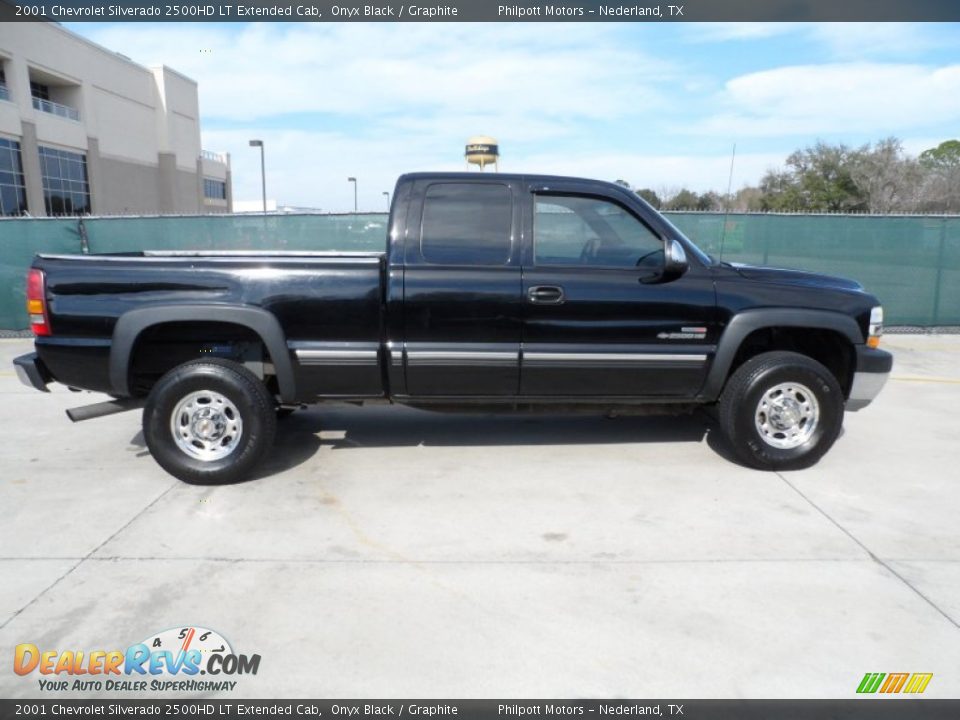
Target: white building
<point>256,206</point>
<point>253,206</point>
<point>86,130</point>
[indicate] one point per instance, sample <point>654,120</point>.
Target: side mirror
<point>675,260</point>
<point>674,263</point>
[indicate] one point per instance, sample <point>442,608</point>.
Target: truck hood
<point>795,277</point>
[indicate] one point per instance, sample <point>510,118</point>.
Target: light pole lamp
<point>387,196</point>
<point>354,181</point>
<point>263,172</point>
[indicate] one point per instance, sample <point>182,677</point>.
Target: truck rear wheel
<point>209,421</point>
<point>781,411</point>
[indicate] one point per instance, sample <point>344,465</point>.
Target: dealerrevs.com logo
<point>187,659</point>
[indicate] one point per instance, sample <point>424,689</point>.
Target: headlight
<point>876,327</point>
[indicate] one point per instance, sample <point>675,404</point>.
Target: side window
<point>576,230</point>
<point>467,224</point>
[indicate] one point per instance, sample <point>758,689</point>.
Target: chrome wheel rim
<point>206,425</point>
<point>787,415</point>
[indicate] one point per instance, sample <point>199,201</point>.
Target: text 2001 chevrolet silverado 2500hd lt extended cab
<point>495,291</point>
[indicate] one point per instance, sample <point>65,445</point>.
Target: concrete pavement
<point>394,553</point>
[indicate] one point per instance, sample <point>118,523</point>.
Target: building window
<point>4,90</point>
<point>42,99</point>
<point>39,90</point>
<point>66,190</point>
<point>13,192</point>
<point>214,189</point>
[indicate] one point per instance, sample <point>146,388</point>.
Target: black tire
<point>740,411</point>
<point>242,390</point>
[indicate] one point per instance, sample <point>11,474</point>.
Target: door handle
<point>545,294</point>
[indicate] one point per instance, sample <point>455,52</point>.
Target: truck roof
<point>503,176</point>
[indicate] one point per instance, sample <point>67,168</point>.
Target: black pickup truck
<point>496,292</point>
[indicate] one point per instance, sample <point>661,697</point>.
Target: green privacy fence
<point>911,262</point>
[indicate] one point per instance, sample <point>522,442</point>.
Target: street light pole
<point>387,196</point>
<point>354,181</point>
<point>263,172</point>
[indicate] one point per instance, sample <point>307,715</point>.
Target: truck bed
<point>336,297</point>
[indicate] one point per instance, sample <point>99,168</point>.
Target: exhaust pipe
<point>110,407</point>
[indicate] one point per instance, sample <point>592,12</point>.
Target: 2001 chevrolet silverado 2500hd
<point>495,291</point>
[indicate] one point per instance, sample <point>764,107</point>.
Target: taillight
<point>37,303</point>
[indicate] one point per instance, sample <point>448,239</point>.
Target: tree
<point>688,200</point>
<point>944,156</point>
<point>816,179</point>
<point>683,200</point>
<point>823,175</point>
<point>876,178</point>
<point>940,188</point>
<point>885,177</point>
<point>747,199</point>
<point>780,192</point>
<point>710,201</point>
<point>650,196</point>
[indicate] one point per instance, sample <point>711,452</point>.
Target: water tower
<point>482,150</point>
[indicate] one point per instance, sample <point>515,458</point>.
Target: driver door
<point>594,324</point>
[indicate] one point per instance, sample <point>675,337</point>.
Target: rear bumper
<point>31,371</point>
<point>76,362</point>
<point>872,372</point>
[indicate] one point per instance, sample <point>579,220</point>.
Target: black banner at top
<point>480,11</point>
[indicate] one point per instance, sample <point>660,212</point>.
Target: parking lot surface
<point>390,552</point>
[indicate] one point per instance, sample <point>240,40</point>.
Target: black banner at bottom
<point>874,708</point>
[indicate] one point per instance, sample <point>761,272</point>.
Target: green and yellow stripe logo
<point>888,683</point>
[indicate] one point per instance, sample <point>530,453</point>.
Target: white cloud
<point>859,41</point>
<point>366,100</point>
<point>726,31</point>
<point>852,98</point>
<point>840,40</point>
<point>372,69</point>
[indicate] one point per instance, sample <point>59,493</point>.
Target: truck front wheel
<point>209,421</point>
<point>781,411</point>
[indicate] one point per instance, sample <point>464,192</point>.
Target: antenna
<point>726,212</point>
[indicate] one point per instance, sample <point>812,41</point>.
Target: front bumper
<point>873,370</point>
<point>31,371</point>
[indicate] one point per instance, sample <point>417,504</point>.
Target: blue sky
<point>659,105</point>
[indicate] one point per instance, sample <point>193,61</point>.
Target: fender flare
<point>746,322</point>
<point>131,324</point>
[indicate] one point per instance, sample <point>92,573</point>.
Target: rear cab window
<point>467,224</point>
